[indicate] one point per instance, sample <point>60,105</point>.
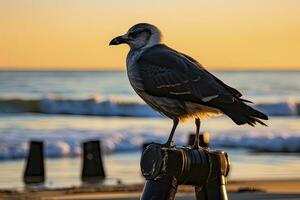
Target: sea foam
<point>67,142</point>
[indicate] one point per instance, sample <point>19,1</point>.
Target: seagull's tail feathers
<point>241,113</point>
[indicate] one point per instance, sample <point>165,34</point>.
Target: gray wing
<point>168,73</point>
<point>233,91</point>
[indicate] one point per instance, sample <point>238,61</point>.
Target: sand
<point>264,189</point>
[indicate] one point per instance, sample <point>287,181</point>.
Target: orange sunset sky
<point>221,34</point>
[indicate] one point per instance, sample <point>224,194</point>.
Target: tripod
<point>166,168</point>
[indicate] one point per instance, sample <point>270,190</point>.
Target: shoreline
<point>265,188</point>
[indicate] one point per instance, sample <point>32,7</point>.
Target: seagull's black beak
<point>118,40</point>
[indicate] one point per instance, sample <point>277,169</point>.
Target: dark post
<point>92,170</point>
<point>166,168</point>
<point>34,171</point>
<point>203,139</point>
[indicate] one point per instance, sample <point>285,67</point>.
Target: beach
<point>35,106</point>
<point>246,190</point>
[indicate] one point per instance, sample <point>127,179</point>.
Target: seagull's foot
<point>196,146</point>
<point>196,143</point>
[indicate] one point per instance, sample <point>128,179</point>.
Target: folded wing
<point>168,73</point>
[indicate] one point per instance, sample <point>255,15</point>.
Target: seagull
<point>178,86</point>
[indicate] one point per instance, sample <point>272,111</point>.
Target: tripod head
<point>166,168</point>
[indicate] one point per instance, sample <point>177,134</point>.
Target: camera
<point>166,168</point>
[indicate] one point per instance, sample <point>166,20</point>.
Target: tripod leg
<point>169,142</point>
<point>196,142</point>
<point>213,189</point>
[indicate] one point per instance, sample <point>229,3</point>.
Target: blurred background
<point>61,83</point>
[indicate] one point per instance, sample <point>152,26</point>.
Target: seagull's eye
<point>134,34</point>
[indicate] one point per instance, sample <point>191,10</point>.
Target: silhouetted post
<point>34,171</point>
<point>92,170</point>
<point>203,139</point>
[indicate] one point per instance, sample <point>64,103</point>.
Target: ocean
<point>64,109</point>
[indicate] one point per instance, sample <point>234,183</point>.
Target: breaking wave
<point>67,142</point>
<point>115,107</point>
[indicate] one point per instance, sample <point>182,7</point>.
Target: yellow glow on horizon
<point>74,34</point>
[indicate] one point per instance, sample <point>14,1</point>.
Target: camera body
<point>166,168</point>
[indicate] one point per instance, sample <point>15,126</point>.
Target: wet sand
<point>268,189</point>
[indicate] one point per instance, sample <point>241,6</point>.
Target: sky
<point>220,34</point>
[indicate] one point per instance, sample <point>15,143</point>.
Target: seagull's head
<point>139,36</point>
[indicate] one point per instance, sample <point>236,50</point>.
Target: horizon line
<point>56,68</point>
<point>116,70</point>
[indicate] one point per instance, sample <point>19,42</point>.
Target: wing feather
<point>168,73</point>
